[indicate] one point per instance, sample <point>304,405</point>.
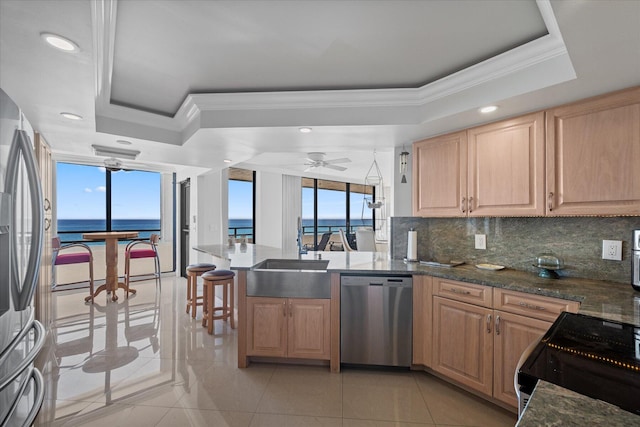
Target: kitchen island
<point>608,300</point>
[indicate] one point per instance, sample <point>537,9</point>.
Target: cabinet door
<point>506,167</point>
<point>309,328</point>
<point>593,153</point>
<point>440,175</point>
<point>463,343</point>
<point>266,326</point>
<point>513,334</point>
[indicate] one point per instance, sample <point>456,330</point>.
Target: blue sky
<point>81,194</point>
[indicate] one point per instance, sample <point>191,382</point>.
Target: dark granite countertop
<point>551,405</point>
<point>609,300</point>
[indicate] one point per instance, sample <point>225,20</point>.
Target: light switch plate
<point>481,241</point>
<point>612,249</point>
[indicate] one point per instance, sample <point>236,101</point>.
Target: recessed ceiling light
<point>60,42</point>
<point>488,109</point>
<point>123,142</point>
<point>305,130</point>
<point>227,161</point>
<point>71,116</point>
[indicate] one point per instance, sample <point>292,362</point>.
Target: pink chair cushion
<point>72,258</point>
<point>142,253</point>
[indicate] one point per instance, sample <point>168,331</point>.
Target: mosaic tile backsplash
<point>515,242</point>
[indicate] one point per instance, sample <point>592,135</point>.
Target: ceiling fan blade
<point>338,168</point>
<point>310,168</point>
<point>342,160</point>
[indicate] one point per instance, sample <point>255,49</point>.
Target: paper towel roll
<point>412,246</point>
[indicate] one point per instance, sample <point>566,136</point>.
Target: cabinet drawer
<point>536,306</point>
<point>461,291</point>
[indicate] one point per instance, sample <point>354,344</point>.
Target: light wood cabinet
<point>43,295</point>
<point>440,175</point>
<point>593,153</point>
<point>480,332</point>
<point>422,320</point>
<point>289,327</point>
<point>491,170</point>
<point>513,334</point>
<point>463,343</point>
<point>506,168</point>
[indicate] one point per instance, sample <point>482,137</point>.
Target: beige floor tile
<point>275,420</point>
<point>385,402</point>
<point>452,406</point>
<point>303,390</point>
<point>228,389</point>
<point>347,422</point>
<point>136,370</point>
<point>99,415</point>
<point>200,417</point>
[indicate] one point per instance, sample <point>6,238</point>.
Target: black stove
<point>592,356</point>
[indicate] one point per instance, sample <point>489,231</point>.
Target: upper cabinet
<point>593,155</point>
<point>491,170</point>
<point>440,175</point>
<point>585,163</point>
<point>506,168</point>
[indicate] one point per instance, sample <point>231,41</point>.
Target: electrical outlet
<point>481,241</point>
<point>612,249</point>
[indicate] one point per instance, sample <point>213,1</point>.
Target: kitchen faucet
<point>301,248</point>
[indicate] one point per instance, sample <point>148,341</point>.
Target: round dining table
<point>111,242</point>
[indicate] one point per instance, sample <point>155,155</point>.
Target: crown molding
<point>535,65</point>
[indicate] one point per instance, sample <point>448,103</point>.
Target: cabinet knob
<point>470,207</point>
<point>462,207</point>
<point>290,309</point>
<point>550,201</point>
<point>284,309</point>
<point>497,325</point>
<point>488,323</point>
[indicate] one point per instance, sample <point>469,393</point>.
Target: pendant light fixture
<point>404,158</point>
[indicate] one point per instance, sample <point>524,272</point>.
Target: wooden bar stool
<point>212,279</point>
<point>193,272</point>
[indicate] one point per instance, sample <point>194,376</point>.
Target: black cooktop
<point>592,356</point>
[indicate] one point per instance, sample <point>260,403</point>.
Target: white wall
<point>269,210</point>
<point>211,204</point>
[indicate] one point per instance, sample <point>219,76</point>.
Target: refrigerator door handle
<point>30,357</point>
<point>34,374</point>
<point>23,293</point>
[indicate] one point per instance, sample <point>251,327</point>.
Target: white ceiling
<point>191,83</point>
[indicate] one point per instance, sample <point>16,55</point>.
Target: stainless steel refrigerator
<point>21,231</point>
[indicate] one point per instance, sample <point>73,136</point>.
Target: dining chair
<point>140,249</point>
<point>345,242</point>
<point>322,244</point>
<point>75,257</point>
<point>366,240</point>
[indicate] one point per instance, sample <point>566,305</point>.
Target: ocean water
<point>71,230</point>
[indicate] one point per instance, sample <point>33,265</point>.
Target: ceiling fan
<point>316,160</point>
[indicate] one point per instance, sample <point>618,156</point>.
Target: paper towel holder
<point>409,247</point>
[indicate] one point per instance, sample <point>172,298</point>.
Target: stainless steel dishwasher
<point>376,320</point>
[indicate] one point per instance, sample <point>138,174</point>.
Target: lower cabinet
<point>513,334</point>
<point>463,343</point>
<point>479,344</point>
<point>289,327</point>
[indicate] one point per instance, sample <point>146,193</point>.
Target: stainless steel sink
<point>285,278</point>
<point>292,264</point>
